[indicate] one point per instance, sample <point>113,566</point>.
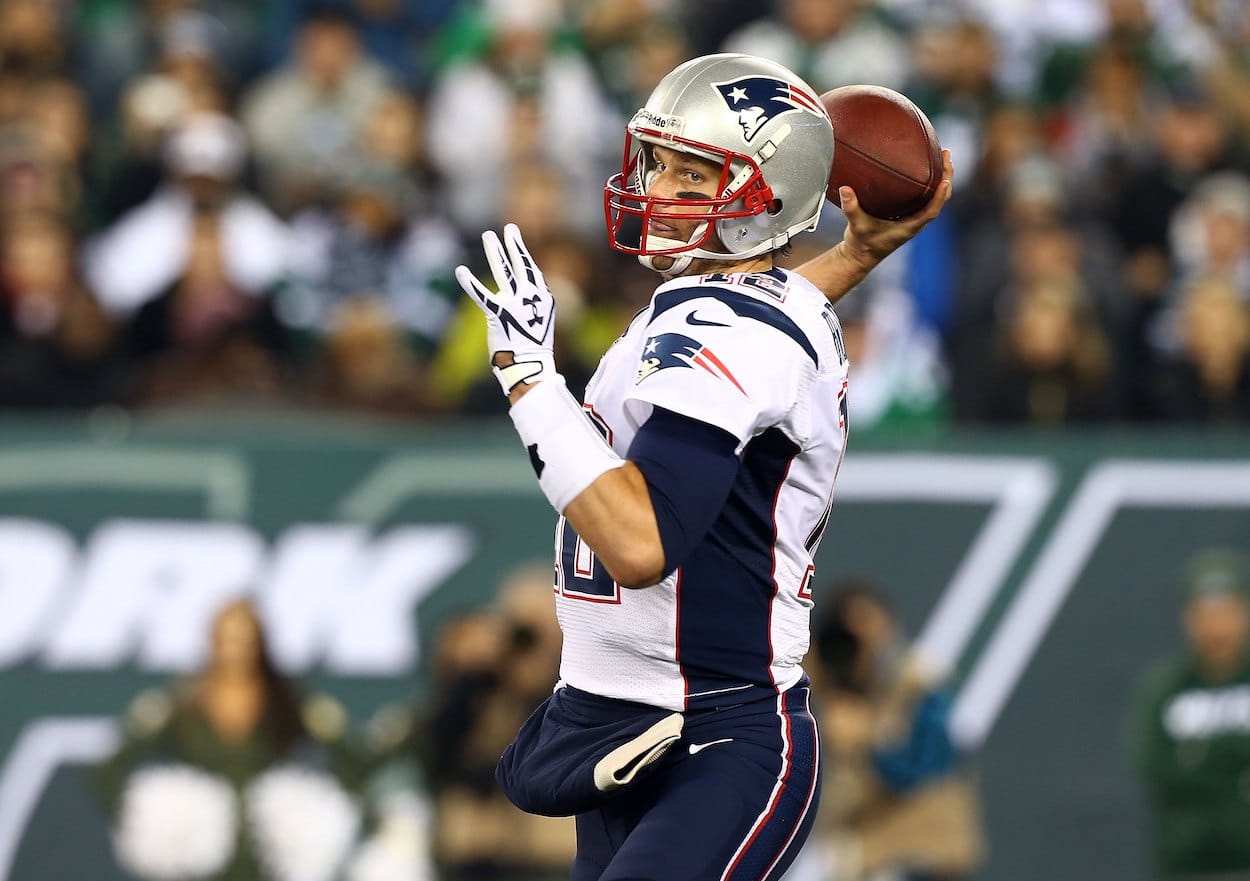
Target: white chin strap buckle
<point>681,262</point>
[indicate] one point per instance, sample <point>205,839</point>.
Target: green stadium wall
<point>1039,567</point>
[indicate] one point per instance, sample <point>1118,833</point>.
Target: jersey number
<point>579,575</point>
<point>765,284</point>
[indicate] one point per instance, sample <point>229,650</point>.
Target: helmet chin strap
<point>681,262</point>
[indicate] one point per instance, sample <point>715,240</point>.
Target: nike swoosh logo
<point>696,748</point>
<point>690,319</point>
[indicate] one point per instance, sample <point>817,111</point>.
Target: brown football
<point>884,149</point>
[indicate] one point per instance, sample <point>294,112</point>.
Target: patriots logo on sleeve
<point>758,99</point>
<point>677,350</point>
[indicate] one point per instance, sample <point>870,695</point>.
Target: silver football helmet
<point>767,130</point>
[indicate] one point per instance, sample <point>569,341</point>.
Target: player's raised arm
<point>604,496</point>
<point>869,240</point>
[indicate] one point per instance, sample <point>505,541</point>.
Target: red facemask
<point>628,210</point>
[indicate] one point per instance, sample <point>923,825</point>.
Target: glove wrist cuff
<point>527,368</point>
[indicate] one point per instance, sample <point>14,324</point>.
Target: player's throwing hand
<point>520,318</point>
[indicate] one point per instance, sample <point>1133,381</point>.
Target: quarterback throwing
<point>693,487</point>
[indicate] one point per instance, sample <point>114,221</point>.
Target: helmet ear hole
<point>774,206</point>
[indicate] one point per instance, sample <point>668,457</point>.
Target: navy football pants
<point>735,810</point>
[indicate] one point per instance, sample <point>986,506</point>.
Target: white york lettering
<point>149,588</point>
<point>376,634</point>
<point>147,591</point>
<point>36,560</point>
<point>308,582</point>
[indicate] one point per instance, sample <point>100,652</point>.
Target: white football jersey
<point>761,356</point>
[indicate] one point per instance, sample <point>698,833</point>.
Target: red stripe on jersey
<point>723,369</point>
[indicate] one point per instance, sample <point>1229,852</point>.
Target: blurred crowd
<point>239,204</point>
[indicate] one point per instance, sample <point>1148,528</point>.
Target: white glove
<point>520,318</point>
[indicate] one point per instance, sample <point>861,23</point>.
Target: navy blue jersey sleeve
<point>690,468</point>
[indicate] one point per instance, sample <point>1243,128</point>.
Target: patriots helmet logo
<point>677,350</point>
<point>758,99</point>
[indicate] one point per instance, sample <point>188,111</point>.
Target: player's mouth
<point>655,228</point>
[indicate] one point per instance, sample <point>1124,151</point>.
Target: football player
<point>693,485</point>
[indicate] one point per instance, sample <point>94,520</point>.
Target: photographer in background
<point>494,667</point>
<point>1191,729</point>
<point>896,802</point>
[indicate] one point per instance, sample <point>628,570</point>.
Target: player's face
<point>673,174</point>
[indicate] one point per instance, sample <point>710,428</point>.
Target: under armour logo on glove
<point>535,315</point>
<point>520,317</point>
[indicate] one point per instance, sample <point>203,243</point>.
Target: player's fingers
<point>475,289</point>
<point>936,202</point>
<point>520,255</point>
<point>848,200</point>
<point>498,262</point>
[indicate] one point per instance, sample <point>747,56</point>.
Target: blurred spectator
<point>1050,359</point>
<point>1222,36</point>
<point>190,42</point>
<point>57,348</point>
<point>1053,363</point>
<point>1211,232</point>
<point>33,179</point>
<point>1189,142</point>
<point>394,135</point>
<point>493,672</point>
<point>898,377</point>
<point>380,241</point>
<point>237,719</point>
<point>131,169</point>
<point>829,43</point>
<point>631,43</point>
<point>953,81</point>
<point>57,115</point>
<point>1026,267</point>
<point>526,100</point>
<point>32,40</point>
<point>1104,130</point>
<point>189,75</point>
<point>1191,729</point>
<point>392,32</point>
<point>365,363</point>
<point>204,338</point>
<point>1132,28</point>
<point>1208,379</point>
<point>306,118</point>
<point>1012,135</point>
<point>897,801</point>
<point>149,248</point>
